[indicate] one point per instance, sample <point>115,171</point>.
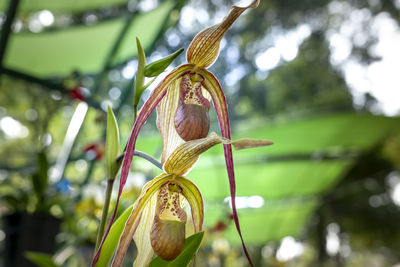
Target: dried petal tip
<point>204,49</point>
<point>167,234</point>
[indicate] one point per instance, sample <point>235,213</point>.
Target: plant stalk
<point>104,214</point>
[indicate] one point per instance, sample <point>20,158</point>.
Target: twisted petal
<point>212,85</point>
<point>204,49</point>
<point>150,189</point>
<point>144,113</point>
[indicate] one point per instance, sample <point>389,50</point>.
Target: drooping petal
<point>144,113</point>
<point>212,85</point>
<point>192,194</point>
<point>142,234</point>
<point>165,120</point>
<point>132,223</point>
<point>204,49</point>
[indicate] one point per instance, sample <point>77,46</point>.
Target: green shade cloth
<point>269,223</point>
<point>82,48</point>
<point>289,186</point>
<point>62,6</point>
<point>308,158</point>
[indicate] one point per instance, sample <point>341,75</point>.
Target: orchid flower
<point>183,101</point>
<point>157,221</point>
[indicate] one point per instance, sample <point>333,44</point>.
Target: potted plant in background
<point>33,215</point>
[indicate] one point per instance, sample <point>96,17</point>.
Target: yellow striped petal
<point>186,155</point>
<point>204,49</point>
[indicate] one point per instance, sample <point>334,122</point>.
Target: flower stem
<point>145,156</point>
<point>106,205</point>
<point>110,184</point>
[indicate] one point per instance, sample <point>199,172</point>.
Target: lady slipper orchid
<point>157,221</point>
<point>183,101</point>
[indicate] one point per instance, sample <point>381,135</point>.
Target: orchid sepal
<point>204,49</point>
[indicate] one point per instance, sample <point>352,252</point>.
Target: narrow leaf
<point>192,244</point>
<point>112,144</point>
<point>139,84</point>
<point>111,242</point>
<point>39,179</point>
<point>155,68</point>
<point>41,259</point>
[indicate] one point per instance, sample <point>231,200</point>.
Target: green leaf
<point>39,179</point>
<point>192,244</point>
<point>139,84</point>
<point>112,144</point>
<point>112,239</point>
<point>155,68</point>
<point>41,259</point>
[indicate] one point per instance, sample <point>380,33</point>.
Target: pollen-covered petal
<point>131,225</point>
<point>204,49</point>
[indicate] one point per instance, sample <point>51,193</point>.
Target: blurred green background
<point>316,77</point>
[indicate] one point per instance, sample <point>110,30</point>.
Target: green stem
<point>145,156</point>
<point>135,112</point>
<point>104,214</point>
